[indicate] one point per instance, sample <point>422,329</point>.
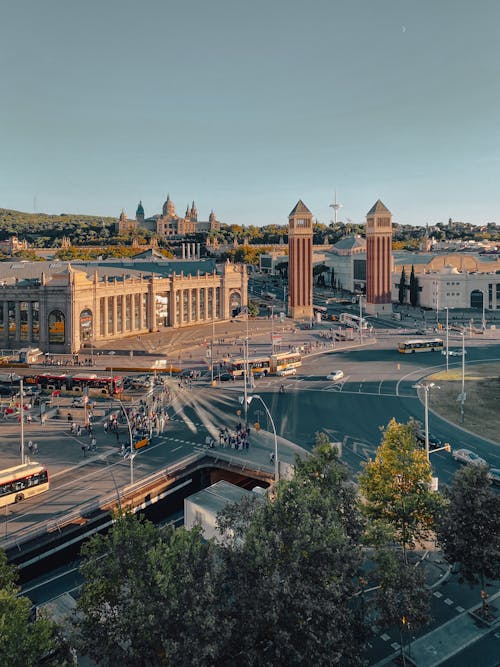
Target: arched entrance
<point>86,325</point>
<point>57,327</point>
<point>476,299</point>
<point>235,303</point>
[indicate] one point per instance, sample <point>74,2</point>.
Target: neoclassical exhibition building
<point>61,306</point>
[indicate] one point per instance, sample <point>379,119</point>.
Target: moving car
<point>466,456</point>
<point>335,375</point>
<point>287,371</point>
<point>434,443</point>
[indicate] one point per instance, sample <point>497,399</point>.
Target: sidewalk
<point>446,641</point>
<point>449,639</point>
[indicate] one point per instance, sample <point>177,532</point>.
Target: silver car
<point>466,456</point>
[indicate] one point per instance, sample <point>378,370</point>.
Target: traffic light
<point>447,446</point>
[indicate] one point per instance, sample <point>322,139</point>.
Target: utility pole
<point>21,391</point>
<point>447,340</point>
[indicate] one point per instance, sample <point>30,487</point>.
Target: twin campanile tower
<point>378,261</point>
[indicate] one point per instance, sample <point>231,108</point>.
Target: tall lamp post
<point>426,386</point>
<point>484,293</point>
<point>21,391</point>
<point>447,339</point>
<point>360,318</point>
<point>111,392</point>
<point>276,462</point>
<point>131,441</point>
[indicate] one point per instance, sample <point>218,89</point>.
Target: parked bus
<point>22,481</point>
<point>76,383</point>
<point>420,345</point>
<point>284,360</point>
<point>353,321</point>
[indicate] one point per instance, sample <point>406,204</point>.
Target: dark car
<point>225,377</point>
<point>434,443</point>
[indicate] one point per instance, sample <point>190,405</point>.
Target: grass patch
<point>482,404</point>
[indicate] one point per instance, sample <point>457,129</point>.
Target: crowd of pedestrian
<point>237,440</point>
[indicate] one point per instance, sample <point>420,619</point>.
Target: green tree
<point>402,600</point>
<point>22,641</point>
<point>402,287</point>
<point>290,571</point>
<point>148,597</point>
<point>413,287</point>
<point>468,528</point>
<point>396,487</point>
<point>253,308</point>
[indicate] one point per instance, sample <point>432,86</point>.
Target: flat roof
<point>216,497</point>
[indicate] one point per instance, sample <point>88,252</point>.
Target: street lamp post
<point>484,309</point>
<point>131,441</point>
<point>111,392</point>
<point>21,391</point>
<point>447,339</point>
<point>360,318</point>
<point>276,462</point>
<point>426,386</point>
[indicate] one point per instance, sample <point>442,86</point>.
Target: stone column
<point>104,331</point>
<point>5,307</point>
<point>198,313</point>
<point>141,312</point>
<point>30,322</point>
<point>183,251</point>
<point>18,322</point>
<point>189,304</point>
<point>124,313</point>
<point>206,304</point>
<point>115,316</point>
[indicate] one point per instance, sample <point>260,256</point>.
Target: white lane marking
<point>176,448</point>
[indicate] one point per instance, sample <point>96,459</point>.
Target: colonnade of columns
<point>19,329</point>
<point>191,250</point>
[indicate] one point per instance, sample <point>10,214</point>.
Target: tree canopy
<point>468,528</point>
<point>396,486</point>
<point>22,641</point>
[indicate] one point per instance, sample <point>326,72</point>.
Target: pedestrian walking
<point>84,449</point>
<point>30,446</point>
<point>35,448</point>
<point>93,445</point>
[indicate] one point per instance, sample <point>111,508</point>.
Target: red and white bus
<point>22,481</point>
<point>75,384</point>
<point>96,384</point>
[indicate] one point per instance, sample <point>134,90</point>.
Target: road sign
<point>276,339</point>
<point>462,397</point>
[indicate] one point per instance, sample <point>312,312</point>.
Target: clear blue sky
<point>246,106</point>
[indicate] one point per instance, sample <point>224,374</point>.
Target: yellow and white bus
<point>285,360</point>
<point>22,481</point>
<point>420,345</point>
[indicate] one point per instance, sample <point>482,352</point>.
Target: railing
<point>119,498</point>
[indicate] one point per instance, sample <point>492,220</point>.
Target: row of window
<point>25,483</point>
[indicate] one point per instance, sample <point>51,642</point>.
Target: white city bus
<point>420,345</point>
<point>353,321</point>
<point>22,481</point>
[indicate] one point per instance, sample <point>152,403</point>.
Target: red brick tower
<point>378,259</point>
<point>300,238</point>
